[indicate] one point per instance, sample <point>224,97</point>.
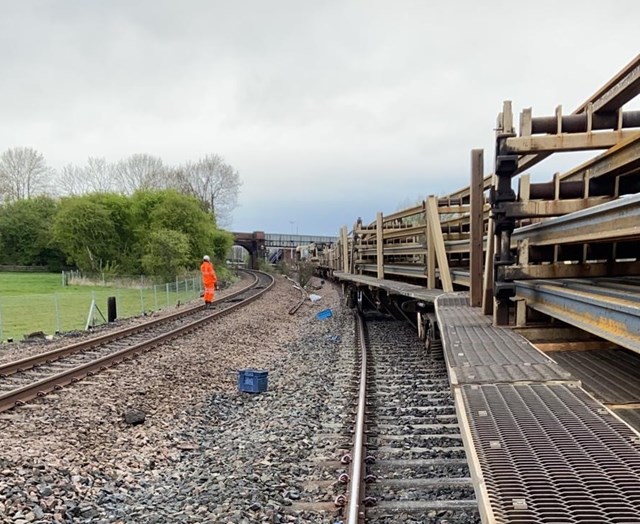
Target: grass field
<point>39,302</point>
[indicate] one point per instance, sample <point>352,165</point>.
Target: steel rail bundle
<point>108,346</point>
<point>487,237</point>
<point>556,262</point>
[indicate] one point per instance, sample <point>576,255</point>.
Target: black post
<point>111,309</point>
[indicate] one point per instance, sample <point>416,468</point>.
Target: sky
<point>329,110</point>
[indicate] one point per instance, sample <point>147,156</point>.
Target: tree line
<point>136,215</point>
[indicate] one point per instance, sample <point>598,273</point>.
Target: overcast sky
<point>330,110</point>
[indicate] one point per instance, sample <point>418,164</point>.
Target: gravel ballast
<point>194,449</point>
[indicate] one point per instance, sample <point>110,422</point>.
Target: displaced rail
<point>408,462</point>
<point>35,376</point>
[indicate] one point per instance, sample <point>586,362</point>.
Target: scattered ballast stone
<point>206,452</point>
<point>134,417</point>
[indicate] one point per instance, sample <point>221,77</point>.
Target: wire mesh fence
<point>78,307</point>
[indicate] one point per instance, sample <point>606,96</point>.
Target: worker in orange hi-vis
<point>209,280</point>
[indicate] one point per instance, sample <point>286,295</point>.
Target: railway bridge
<point>277,246</point>
<point>533,290</point>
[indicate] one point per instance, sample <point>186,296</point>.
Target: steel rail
<point>613,318</point>
<point>610,221</point>
<point>357,464</point>
<point>55,354</point>
<point>57,381</point>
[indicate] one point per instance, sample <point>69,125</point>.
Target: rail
<point>487,236</point>
<point>40,387</point>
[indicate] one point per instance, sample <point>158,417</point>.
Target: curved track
<point>31,377</point>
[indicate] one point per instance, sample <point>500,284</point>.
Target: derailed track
<point>408,461</point>
<point>26,379</point>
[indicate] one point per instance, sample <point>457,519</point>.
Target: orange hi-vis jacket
<point>209,280</point>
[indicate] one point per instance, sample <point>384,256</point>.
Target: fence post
<point>186,290</point>
<point>167,284</point>
<point>57,305</point>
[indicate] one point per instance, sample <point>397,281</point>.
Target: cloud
<point>330,110</point>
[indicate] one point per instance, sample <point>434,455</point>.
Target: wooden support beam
<point>487,281</point>
<point>618,91</point>
<point>622,158</point>
<point>438,243</point>
<point>551,208</point>
<point>477,226</point>
<point>431,254</point>
<point>344,240</point>
<point>567,142</point>
<point>560,270</point>
<point>623,87</point>
<point>576,346</point>
<point>379,246</point>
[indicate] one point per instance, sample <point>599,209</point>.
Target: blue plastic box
<point>324,314</point>
<point>253,380</point>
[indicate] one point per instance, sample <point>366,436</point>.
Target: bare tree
<point>23,174</point>
<point>101,174</point>
<point>212,181</point>
<point>72,180</point>
<point>97,176</point>
<point>140,171</point>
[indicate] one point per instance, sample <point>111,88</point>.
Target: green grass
<point>39,302</point>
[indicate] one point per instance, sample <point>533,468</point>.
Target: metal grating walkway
<point>477,352</point>
<point>611,375</point>
<point>551,454</point>
<point>542,450</point>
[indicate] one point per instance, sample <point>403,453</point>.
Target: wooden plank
<point>560,270</point>
<point>345,249</point>
<point>622,158</point>
<point>583,345</point>
<point>477,227</point>
<point>431,258</point>
<point>438,243</point>
<point>551,208</point>
<point>623,87</point>
<point>379,246</point>
<point>567,142</point>
<point>554,333</point>
<point>620,89</point>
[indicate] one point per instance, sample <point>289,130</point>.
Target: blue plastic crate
<point>253,380</point>
<point>324,314</point>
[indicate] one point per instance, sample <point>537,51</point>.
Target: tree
<point>167,253</point>
<point>140,172</point>
<point>85,231</point>
<point>215,183</point>
<point>221,244</point>
<point>72,180</point>
<point>23,174</point>
<point>98,176</point>
<point>170,210</point>
<point>25,233</point>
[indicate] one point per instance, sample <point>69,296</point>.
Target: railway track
<point>26,379</point>
<point>408,461</point>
